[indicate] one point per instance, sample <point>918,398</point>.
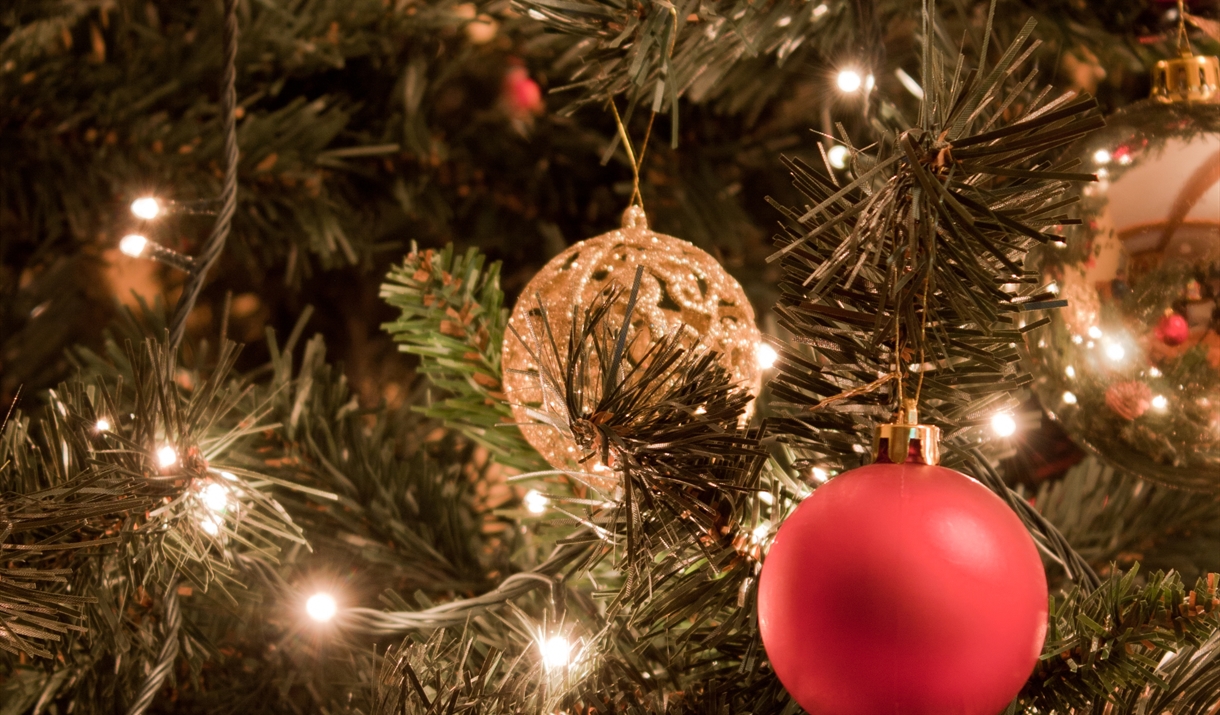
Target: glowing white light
<point>1115,352</point>
<point>701,410</point>
<point>1069,398</point>
<point>1077,339</point>
<point>1053,289</point>
<point>102,425</point>
<point>869,82</point>
<point>1090,344</point>
<point>820,474</point>
<point>229,475</point>
<point>820,10</point>
<point>766,356</point>
<point>535,501</point>
<point>556,652</point>
<point>211,525</point>
<point>760,532</point>
<point>1004,425</point>
<point>849,81</point>
<point>215,496</point>
<point>1159,402</point>
<point>837,155</point>
<point>1094,332</point>
<point>784,21</point>
<point>766,498</point>
<point>321,607</point>
<point>1154,372</point>
<point>167,456</point>
<point>1101,157</point>
<point>133,245</point>
<point>1069,371</point>
<point>146,207</point>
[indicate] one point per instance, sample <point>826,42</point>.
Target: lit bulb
<point>1094,332</point>
<point>1115,352</point>
<point>820,474</point>
<point>1154,372</point>
<point>1159,402</point>
<point>146,207</point>
<point>535,502</point>
<point>1053,289</point>
<point>215,497</point>
<point>837,155</point>
<point>1004,425</point>
<point>210,524</point>
<point>228,475</point>
<point>167,457</point>
<point>849,81</point>
<point>1077,339</point>
<point>1101,157</point>
<point>701,410</point>
<point>766,498</point>
<point>102,425</point>
<point>556,652</point>
<point>1069,398</point>
<point>1069,371</point>
<point>321,607</point>
<point>820,10</point>
<point>760,532</point>
<point>133,245</point>
<point>869,82</point>
<point>766,356</point>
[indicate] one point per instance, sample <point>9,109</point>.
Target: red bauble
<point>903,589</point>
<point>1172,329</point>
<point>521,95</point>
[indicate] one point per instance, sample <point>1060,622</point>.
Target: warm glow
<point>1069,371</point>
<point>1069,398</point>
<point>837,155</point>
<point>1004,425</point>
<point>1094,332</point>
<point>321,607</point>
<point>210,524</point>
<point>167,456</point>
<point>1154,372</point>
<point>820,474</point>
<point>849,81</point>
<point>102,425</point>
<point>215,496</point>
<point>133,245</point>
<point>1101,157</point>
<point>146,207</point>
<point>1115,352</point>
<point>760,532</point>
<point>1159,402</point>
<point>556,652</point>
<point>535,501</point>
<point>766,356</point>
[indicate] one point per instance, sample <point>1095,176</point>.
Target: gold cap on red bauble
<point>907,440</point>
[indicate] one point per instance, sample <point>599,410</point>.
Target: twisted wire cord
<point>224,219</point>
<point>169,653</point>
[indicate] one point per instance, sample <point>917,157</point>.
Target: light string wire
<point>224,219</point>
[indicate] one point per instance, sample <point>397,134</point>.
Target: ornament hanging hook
<point>636,163</point>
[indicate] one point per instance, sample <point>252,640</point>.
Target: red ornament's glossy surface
<point>903,590</point>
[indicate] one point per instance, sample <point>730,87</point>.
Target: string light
<point>556,652</point>
<point>760,532</point>
<point>167,456</point>
<point>1077,339</point>
<point>1069,371</point>
<point>1115,352</point>
<point>1159,402</point>
<point>146,207</point>
<point>820,474</point>
<point>210,524</point>
<point>849,81</point>
<point>215,496</point>
<point>837,156</point>
<point>535,501</point>
<point>102,425</point>
<point>1094,332</point>
<point>1101,157</point>
<point>766,498</point>
<point>133,245</point>
<point>1154,372</point>
<point>321,607</point>
<point>1004,425</point>
<point>766,356</point>
<point>1069,398</point>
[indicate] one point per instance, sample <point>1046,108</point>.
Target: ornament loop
<point>634,217</point>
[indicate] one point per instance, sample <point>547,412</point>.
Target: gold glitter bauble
<point>1131,367</point>
<point>682,288</point>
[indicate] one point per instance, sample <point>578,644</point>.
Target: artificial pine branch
<point>453,319</point>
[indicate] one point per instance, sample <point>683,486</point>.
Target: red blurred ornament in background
<point>520,95</point>
<point>1172,329</point>
<point>903,587</point>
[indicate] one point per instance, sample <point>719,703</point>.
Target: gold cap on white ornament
<point>907,440</point>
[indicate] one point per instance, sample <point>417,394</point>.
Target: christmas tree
<point>318,397</point>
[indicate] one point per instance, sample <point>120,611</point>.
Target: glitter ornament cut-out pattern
<point>682,288</point>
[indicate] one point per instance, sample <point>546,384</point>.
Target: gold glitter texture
<point>683,288</point>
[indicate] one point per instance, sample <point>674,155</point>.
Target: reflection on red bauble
<point>903,588</point>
